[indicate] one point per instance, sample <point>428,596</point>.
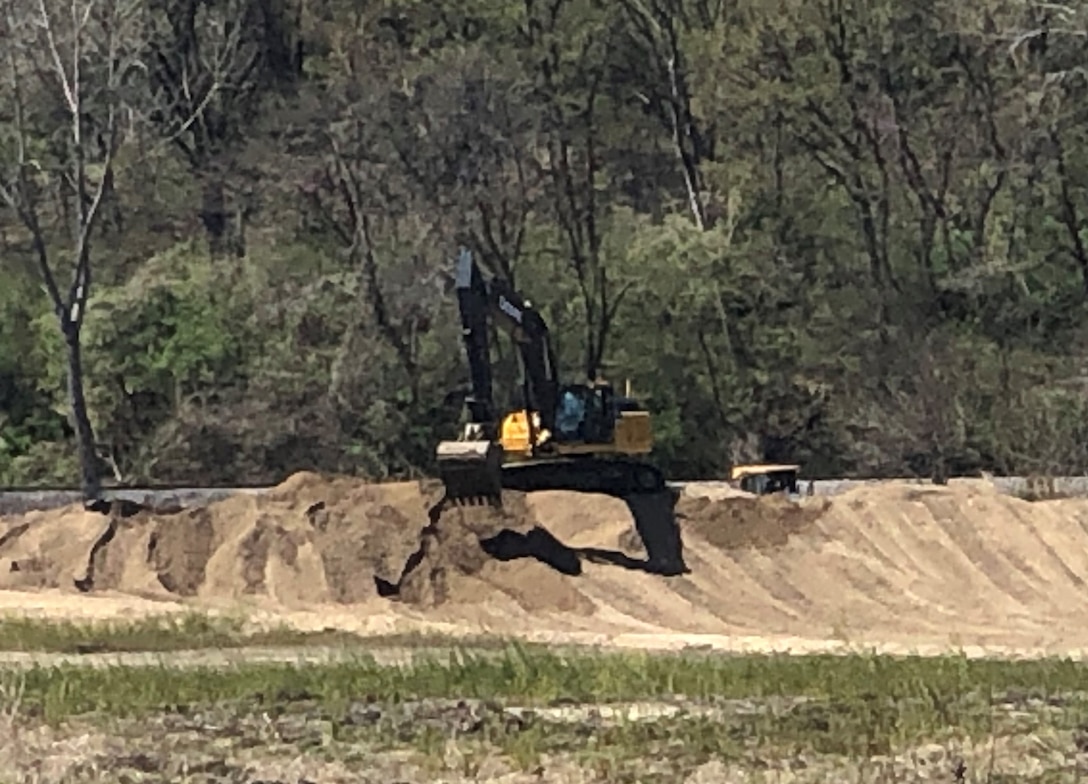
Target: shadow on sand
<point>654,517</point>
<point>655,522</point>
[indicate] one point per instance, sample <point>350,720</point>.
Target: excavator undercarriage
<point>474,472</point>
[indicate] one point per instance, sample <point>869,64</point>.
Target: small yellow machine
<point>764,479</point>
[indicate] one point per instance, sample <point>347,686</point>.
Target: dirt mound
<point>896,562</point>
<point>468,554</point>
<point>748,521</point>
<point>44,549</point>
<point>893,563</point>
<point>307,541</point>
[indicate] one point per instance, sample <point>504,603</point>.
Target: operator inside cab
<point>570,416</point>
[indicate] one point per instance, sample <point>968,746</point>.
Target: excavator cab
<point>585,414</point>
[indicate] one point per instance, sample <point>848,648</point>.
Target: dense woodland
<point>851,234</point>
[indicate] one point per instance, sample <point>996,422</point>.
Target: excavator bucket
<point>471,471</point>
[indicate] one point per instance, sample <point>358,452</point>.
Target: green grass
<point>823,707</point>
<point>885,690</point>
<point>762,709</point>
<point>187,631</point>
<point>162,633</point>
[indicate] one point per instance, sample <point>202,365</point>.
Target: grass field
<point>491,711</point>
<point>193,632</point>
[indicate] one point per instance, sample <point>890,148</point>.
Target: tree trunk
<point>213,214</point>
<point>90,484</point>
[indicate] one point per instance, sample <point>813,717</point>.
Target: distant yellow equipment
<point>764,479</point>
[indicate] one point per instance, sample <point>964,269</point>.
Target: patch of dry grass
<point>31,751</point>
<point>170,632</point>
<point>192,631</point>
<point>522,714</point>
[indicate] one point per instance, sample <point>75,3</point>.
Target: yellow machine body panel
<point>515,433</point>
<point>633,435</point>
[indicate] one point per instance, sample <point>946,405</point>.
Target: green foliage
<point>173,331</point>
<point>169,330</point>
<point>852,236</point>
<point>28,428</point>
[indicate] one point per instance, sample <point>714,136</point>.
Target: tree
<point>569,80</point>
<point>659,30</point>
<point>394,244</point>
<point>65,60</point>
<point>463,132</point>
<point>210,64</point>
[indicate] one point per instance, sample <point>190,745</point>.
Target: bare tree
<point>356,198</point>
<point>66,75</point>
<point>462,136</point>
<point>210,64</point>
<point>659,27</point>
<point>571,102</point>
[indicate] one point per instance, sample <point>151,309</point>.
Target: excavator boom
<point>472,466</point>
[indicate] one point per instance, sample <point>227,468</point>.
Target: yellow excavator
<point>567,436</point>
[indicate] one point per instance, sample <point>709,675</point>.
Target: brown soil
<point>467,555</point>
<point>310,541</point>
<point>758,522</point>
<point>911,565</point>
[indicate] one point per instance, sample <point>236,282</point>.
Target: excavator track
<point>610,476</point>
<point>473,474</point>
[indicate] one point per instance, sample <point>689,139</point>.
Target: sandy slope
<point>901,567</point>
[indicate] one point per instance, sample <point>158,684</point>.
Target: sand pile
<point>307,541</point>
<point>897,562</point>
<point>310,541</point>
<point>469,555</point>
<point>44,549</point>
<point>748,521</point>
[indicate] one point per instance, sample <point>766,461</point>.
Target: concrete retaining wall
<point>1011,485</point>
<point>19,501</point>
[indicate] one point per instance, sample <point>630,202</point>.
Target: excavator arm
<point>479,301</point>
<point>472,302</point>
<point>471,467</point>
<point>474,468</point>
